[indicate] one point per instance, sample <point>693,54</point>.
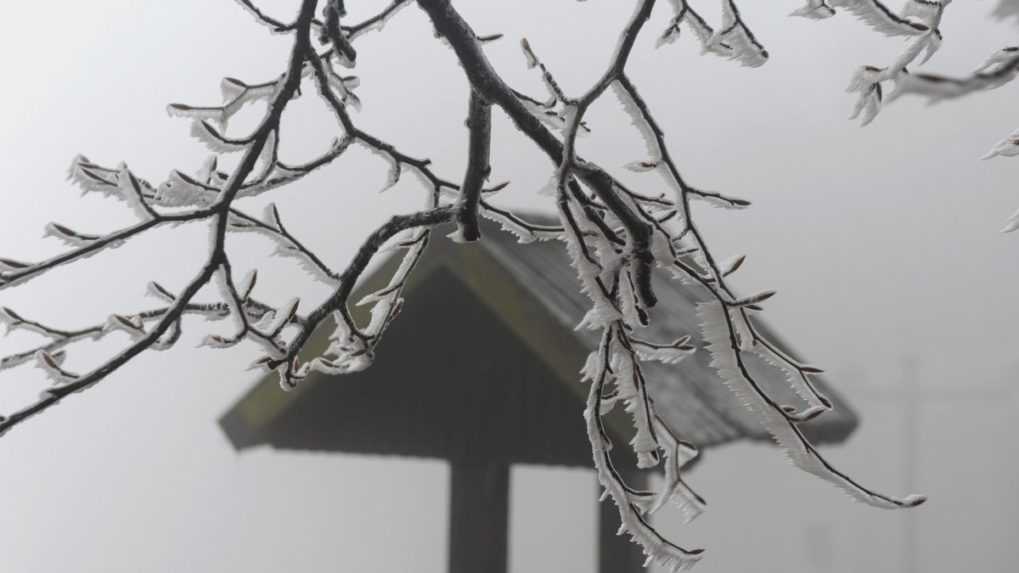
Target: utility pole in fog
<point>910,396</point>
<point>911,426</point>
<point>820,550</point>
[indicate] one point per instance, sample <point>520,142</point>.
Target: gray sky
<point>882,243</point>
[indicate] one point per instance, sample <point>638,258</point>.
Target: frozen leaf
<point>134,191</point>
<point>869,103</point>
<point>91,177</point>
<point>247,284</point>
<point>592,367</point>
<point>1012,224</point>
<point>698,26</point>
<point>395,171</point>
<point>194,112</point>
<point>641,166</point>
<point>879,17</point>
<point>51,365</point>
<point>1008,147</point>
<point>754,299</point>
<point>10,318</point>
<point>13,265</point>
<point>232,88</point>
<point>1003,58</point>
<point>344,86</point>
<point>217,341</point>
<point>532,60</point>
<point>129,324</point>
<point>261,364</point>
<point>815,10</point>
<point>796,379</point>
<point>926,11</point>
<point>732,265</point>
<point>180,190</point>
<point>743,45</point>
<point>209,135</point>
<point>69,236</point>
<point>524,232</point>
<point>283,317</point>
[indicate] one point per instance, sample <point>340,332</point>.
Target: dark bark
<point>451,26</point>
<point>479,122</point>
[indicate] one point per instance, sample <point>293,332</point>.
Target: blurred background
<point>882,243</point>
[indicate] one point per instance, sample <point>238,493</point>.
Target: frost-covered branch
<point>479,122</point>
<point>220,211</point>
<point>352,347</point>
<point>920,20</point>
<point>620,238</point>
<point>57,338</point>
<point>616,276</point>
<point>208,195</point>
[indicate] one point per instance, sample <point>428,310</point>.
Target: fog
<point>882,243</point>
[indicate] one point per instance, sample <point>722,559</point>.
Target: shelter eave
<point>532,291</point>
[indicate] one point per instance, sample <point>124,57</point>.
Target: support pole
<point>478,517</point>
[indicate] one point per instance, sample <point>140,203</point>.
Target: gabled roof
<point>532,291</point>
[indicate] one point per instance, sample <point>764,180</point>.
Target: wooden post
<point>616,553</point>
<point>478,517</point>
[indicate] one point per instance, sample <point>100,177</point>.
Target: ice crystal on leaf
<point>728,363</point>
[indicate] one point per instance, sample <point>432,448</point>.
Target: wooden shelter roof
<point>488,328</point>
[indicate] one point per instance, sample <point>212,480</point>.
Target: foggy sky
<point>881,241</point>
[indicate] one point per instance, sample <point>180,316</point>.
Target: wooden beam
<point>616,553</point>
<point>478,517</point>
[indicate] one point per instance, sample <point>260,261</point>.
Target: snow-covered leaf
<point>1012,224</point>
<point>13,265</point>
<point>866,82</point>
<point>754,299</point>
<point>732,265</point>
<point>879,17</point>
<point>52,366</point>
<point>217,341</point>
<point>1008,147</point>
<point>283,316</point>
<point>129,324</point>
<point>815,10</point>
<point>641,166</point>
<point>158,291</point>
<point>247,284</point>
<point>733,32</point>
<point>69,236</point>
